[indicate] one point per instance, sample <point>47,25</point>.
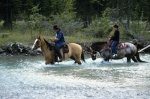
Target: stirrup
<point>59,59</point>
<point>114,55</point>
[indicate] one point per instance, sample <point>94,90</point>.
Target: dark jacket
<point>61,41</point>
<point>116,36</point>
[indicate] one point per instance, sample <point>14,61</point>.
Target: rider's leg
<point>113,47</point>
<point>57,50</point>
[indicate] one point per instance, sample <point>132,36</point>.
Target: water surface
<point>24,77</point>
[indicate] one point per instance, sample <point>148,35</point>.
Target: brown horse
<point>75,51</point>
<point>105,51</point>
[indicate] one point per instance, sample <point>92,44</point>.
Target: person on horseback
<point>115,40</point>
<point>59,41</point>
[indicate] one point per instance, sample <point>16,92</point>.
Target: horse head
<point>47,49</point>
<point>96,47</point>
<point>37,43</point>
<point>91,52</point>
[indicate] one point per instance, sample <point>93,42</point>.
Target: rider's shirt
<point>116,36</point>
<point>61,41</point>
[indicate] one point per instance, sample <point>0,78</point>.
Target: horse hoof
<point>104,62</point>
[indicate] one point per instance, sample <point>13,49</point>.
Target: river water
<point>24,77</point>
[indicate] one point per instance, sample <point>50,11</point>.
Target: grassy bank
<point>27,38</point>
<point>25,30</point>
<point>8,37</point>
<point>99,29</point>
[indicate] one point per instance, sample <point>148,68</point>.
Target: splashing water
<point>23,77</point>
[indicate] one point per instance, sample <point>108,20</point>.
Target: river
<point>27,77</point>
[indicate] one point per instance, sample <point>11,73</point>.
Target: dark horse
<point>103,48</point>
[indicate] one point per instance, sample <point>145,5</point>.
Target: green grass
<point>14,37</point>
<point>28,38</point>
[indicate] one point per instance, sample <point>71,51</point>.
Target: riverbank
<point>17,48</point>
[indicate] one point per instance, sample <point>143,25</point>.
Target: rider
<point>115,40</point>
<point>59,42</point>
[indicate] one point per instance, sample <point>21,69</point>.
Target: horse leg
<point>128,59</point>
<point>106,59</point>
<point>134,59</point>
<point>79,61</point>
<point>49,63</point>
<point>138,57</point>
<point>72,58</point>
<point>82,56</point>
<point>76,60</point>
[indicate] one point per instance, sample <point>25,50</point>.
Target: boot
<point>114,55</point>
<point>56,58</point>
<point>60,56</point>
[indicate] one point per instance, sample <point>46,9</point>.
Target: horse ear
<point>38,37</point>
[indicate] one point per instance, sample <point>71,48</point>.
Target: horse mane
<point>98,45</point>
<point>50,46</point>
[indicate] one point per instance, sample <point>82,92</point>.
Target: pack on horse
<point>73,51</point>
<point>127,49</point>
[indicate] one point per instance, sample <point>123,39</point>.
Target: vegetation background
<point>81,20</point>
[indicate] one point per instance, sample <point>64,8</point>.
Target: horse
<point>74,52</point>
<point>95,48</point>
<point>127,49</point>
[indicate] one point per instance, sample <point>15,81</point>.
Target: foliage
<point>67,22</point>
<point>90,18</point>
<point>100,26</point>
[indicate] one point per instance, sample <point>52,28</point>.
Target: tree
<point>11,9</point>
<point>87,9</point>
<point>6,12</point>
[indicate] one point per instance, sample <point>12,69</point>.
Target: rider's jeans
<point>114,47</point>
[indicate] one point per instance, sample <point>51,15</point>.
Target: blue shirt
<point>61,41</point>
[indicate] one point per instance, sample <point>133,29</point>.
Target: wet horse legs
<point>128,59</point>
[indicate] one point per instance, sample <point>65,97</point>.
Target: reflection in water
<point>23,77</point>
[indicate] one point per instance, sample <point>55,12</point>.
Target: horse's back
<point>75,46</point>
<point>131,48</point>
<point>75,49</point>
<point>97,46</point>
<point>75,52</point>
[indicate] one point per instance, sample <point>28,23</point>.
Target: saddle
<point>65,48</point>
<point>122,46</point>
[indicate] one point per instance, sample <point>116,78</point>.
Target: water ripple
<point>23,77</point>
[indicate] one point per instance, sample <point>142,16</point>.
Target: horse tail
<point>138,57</point>
<point>82,56</point>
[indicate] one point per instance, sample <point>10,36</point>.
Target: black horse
<point>100,47</point>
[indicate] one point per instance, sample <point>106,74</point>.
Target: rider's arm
<point>58,36</point>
